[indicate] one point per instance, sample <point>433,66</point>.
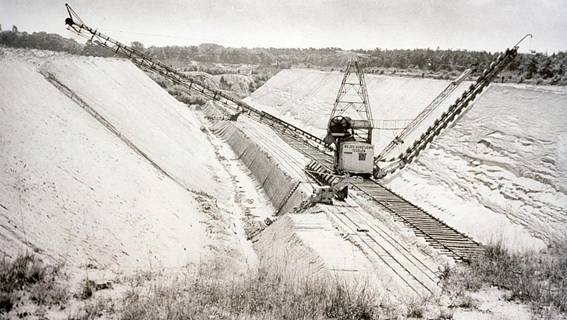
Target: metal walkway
<point>435,232</point>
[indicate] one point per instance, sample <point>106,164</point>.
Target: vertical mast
<point>352,100</point>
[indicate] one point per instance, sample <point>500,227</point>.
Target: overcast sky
<point>457,24</point>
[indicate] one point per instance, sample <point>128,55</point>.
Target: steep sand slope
<point>118,176</point>
<point>499,174</point>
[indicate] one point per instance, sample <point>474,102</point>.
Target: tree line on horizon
<point>541,68</point>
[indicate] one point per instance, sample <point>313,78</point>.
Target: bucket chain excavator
<point>350,133</point>
<point>343,130</point>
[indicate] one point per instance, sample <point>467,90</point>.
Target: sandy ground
<point>118,177</point>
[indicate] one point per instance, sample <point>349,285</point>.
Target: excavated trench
<point>342,240</point>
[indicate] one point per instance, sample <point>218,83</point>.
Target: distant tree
<point>532,68</point>
<point>9,38</point>
<point>223,84</point>
<point>137,46</point>
<point>545,70</point>
<point>514,65</point>
<point>208,57</point>
<point>90,49</point>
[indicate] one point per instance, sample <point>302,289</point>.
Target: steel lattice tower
<point>352,98</point>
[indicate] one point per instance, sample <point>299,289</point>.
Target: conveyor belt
<point>435,232</point>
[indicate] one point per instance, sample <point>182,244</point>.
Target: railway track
<point>436,233</point>
<point>383,250</point>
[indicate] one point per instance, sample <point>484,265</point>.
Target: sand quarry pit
<point>102,169</point>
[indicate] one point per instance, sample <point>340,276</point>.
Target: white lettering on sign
<point>358,147</point>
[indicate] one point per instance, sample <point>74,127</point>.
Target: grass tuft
<point>7,301</point>
<point>28,273</point>
<point>262,296</point>
<point>25,270</point>
<point>538,279</point>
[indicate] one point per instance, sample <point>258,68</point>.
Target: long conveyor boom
<point>234,105</point>
<point>384,167</point>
